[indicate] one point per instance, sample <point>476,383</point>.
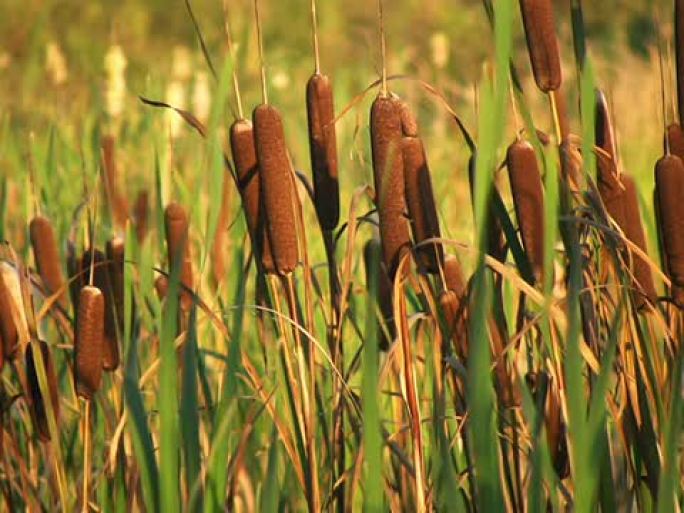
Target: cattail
<point>409,123</point>
<point>675,140</point>
<point>277,187</point>
<point>141,213</point>
<point>116,199</point>
<point>114,315</point>
<point>46,256</point>
<point>178,248</point>
<point>388,171</point>
<point>609,186</point>
<point>634,230</point>
<point>88,345</point>
<point>528,198</point>
<point>35,398</point>
<point>542,43</point>
<point>496,240</point>
<point>421,204</point>
<point>374,266</point>
<point>11,311</point>
<point>669,179</point>
<point>249,185</point>
<point>454,301</point>
<point>320,109</point>
<point>161,286</point>
<point>679,47</point>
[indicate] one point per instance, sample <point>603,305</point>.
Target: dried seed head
<point>141,213</point>
<point>675,140</point>
<point>35,398</point>
<point>542,44</point>
<point>388,172</point>
<point>609,186</point>
<point>114,314</point>
<point>320,109</point>
<point>669,179</point>
<point>421,204</point>
<point>11,311</point>
<point>372,258</point>
<point>528,198</point>
<point>249,184</point>
<point>89,343</point>
<point>277,187</point>
<point>634,230</point>
<point>178,249</point>
<point>161,286</point>
<point>46,256</point>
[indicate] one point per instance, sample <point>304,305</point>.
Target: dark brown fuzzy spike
<point>89,342</point>
<point>542,44</point>
<point>277,187</point>
<point>141,213</point>
<point>8,328</point>
<point>320,110</point>
<point>675,140</point>
<point>372,258</point>
<point>421,204</point>
<point>609,186</point>
<point>114,317</point>
<point>409,123</point>
<point>178,249</point>
<point>35,398</point>
<point>46,256</point>
<point>388,173</point>
<point>528,198</point>
<point>249,185</point>
<point>634,230</point>
<point>454,303</point>
<point>669,179</point>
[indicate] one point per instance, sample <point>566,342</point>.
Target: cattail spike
<point>277,187</point>
<point>46,256</point>
<point>178,248</point>
<point>542,44</point>
<point>88,345</point>
<point>323,149</point>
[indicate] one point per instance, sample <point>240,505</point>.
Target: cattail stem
<point>383,49</point>
<point>86,454</point>
<point>314,35</point>
<point>260,45</point>
<point>233,57</point>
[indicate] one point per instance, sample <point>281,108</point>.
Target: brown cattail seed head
<point>528,198</point>
<point>675,140</point>
<point>249,185</point>
<point>178,249</point>
<point>46,255</point>
<point>609,186</point>
<point>114,315</point>
<point>277,187</point>
<point>11,310</point>
<point>218,248</point>
<point>634,230</point>
<point>89,344</point>
<point>372,258</point>
<point>116,199</point>
<point>388,172</point>
<point>161,286</point>
<point>141,213</point>
<point>36,402</point>
<point>421,204</point>
<point>669,179</point>
<point>454,302</point>
<point>320,109</point>
<point>542,43</point>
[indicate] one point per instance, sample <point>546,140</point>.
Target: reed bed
<point>348,336</point>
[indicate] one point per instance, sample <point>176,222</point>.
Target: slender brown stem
<point>260,44</point>
<point>314,35</point>
<point>233,57</point>
<point>86,455</point>
<point>383,49</point>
